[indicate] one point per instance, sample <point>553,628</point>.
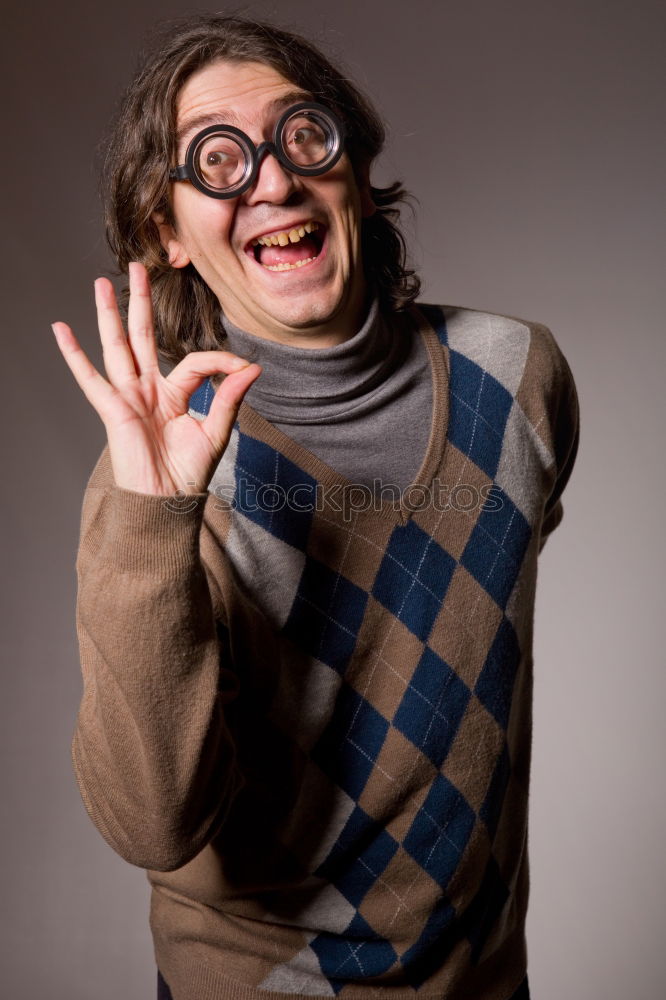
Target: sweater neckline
<point>257,426</point>
<point>301,386</point>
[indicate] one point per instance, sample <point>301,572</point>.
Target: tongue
<point>290,254</point>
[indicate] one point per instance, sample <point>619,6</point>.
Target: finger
<point>118,358</point>
<point>140,320</point>
<point>94,386</point>
<point>189,373</point>
<point>226,401</point>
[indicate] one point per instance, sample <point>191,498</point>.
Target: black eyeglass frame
<point>254,154</point>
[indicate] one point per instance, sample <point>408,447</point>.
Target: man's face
<point>314,304</point>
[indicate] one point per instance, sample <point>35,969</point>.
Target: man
<point>306,597</point>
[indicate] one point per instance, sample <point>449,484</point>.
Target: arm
<point>563,411</point>
<point>152,753</point>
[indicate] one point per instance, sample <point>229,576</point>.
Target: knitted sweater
<point>308,714</point>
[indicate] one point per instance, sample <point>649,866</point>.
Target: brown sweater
<point>308,714</point>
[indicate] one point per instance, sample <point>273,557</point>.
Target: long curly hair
<point>140,147</point>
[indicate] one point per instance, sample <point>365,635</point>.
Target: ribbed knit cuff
<point>147,534</point>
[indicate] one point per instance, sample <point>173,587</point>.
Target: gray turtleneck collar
<point>319,385</point>
<point>363,407</point>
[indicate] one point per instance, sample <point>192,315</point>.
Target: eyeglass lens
<point>307,139</point>
<point>221,161</point>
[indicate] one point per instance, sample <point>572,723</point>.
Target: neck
<point>329,333</point>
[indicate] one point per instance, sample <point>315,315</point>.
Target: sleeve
<point>563,411</point>
<point>152,753</point>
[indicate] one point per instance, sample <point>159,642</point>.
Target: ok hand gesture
<point>154,445</point>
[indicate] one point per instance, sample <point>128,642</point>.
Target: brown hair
<point>141,145</point>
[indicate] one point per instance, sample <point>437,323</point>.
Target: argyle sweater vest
<point>308,711</point>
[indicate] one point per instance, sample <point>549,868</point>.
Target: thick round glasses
<point>223,162</point>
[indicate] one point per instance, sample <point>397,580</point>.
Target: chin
<point>306,315</point>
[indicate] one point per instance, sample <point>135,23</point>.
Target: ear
<point>178,256</point>
<point>368,206</point>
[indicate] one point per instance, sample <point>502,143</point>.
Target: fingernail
<point>239,363</point>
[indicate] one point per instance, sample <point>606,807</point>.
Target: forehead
<point>242,93</point>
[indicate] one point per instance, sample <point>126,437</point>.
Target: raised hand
<point>154,445</point>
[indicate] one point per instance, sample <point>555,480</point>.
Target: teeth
<point>289,267</point>
<point>282,239</point>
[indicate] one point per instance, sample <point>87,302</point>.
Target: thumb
<point>226,402</point>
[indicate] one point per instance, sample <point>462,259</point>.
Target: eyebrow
<point>225,116</point>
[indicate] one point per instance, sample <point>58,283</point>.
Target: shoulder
<point>479,335</point>
<point>522,355</point>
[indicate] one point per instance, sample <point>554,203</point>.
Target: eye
<point>303,135</point>
<point>216,158</point>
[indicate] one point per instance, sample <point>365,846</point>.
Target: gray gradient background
<point>532,134</point>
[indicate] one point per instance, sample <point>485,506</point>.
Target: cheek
<point>338,189</point>
<point>201,221</point>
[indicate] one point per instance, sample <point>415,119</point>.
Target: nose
<point>273,182</point>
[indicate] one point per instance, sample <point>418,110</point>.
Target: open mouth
<point>288,249</point>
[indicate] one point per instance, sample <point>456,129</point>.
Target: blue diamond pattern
<point>434,943</point>
<point>439,834</point>
<point>354,956</point>
<point>203,397</point>
<point>495,549</point>
<point>413,578</point>
<point>350,744</point>
<point>479,411</point>
<point>263,480</point>
<point>494,686</point>
<point>432,707</point>
<point>360,855</point>
<point>326,615</point>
